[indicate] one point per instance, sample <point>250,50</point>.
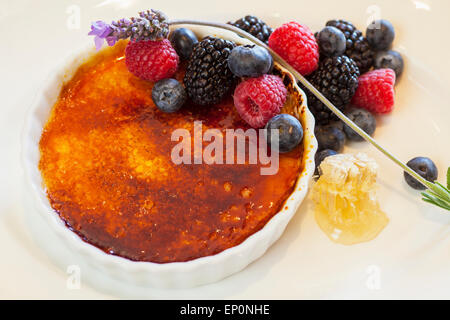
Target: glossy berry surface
<point>357,47</point>
<point>151,60</point>
<point>259,99</point>
<point>168,95</point>
<point>208,79</point>
<point>290,131</point>
<point>249,61</point>
<point>255,26</point>
<point>183,40</point>
<point>375,91</point>
<point>363,119</point>
<point>389,59</point>
<point>337,79</point>
<point>330,137</point>
<point>423,166</point>
<point>321,155</point>
<point>297,45</point>
<point>332,41</point>
<point>380,34</point>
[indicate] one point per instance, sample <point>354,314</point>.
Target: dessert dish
<point>106,163</point>
<point>176,268</point>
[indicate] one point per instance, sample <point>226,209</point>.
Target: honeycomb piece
<point>346,204</point>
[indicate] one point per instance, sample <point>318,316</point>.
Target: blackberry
<point>255,26</point>
<point>357,47</point>
<point>337,79</point>
<point>208,78</point>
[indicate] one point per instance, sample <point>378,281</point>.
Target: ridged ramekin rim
<point>30,145</point>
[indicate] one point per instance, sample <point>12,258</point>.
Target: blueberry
<point>290,131</point>
<point>380,34</point>
<point>183,41</point>
<point>389,59</point>
<point>330,137</point>
<point>249,61</point>
<point>321,155</point>
<point>363,119</point>
<point>423,166</point>
<point>337,123</point>
<point>331,41</point>
<point>168,95</point>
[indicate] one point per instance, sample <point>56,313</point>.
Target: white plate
<point>410,258</point>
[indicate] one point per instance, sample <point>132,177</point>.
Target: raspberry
<point>376,91</point>
<point>151,60</point>
<point>297,45</point>
<point>259,99</point>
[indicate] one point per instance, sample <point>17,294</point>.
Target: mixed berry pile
<point>356,73</point>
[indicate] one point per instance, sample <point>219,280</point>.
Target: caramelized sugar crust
<point>106,164</point>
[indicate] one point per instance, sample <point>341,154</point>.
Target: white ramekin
<point>170,275</point>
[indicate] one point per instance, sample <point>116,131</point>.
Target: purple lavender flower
<point>102,31</point>
<point>150,25</point>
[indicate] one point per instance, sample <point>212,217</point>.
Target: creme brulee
<point>106,164</point>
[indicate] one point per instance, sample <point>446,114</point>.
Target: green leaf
<point>443,206</point>
<point>435,200</point>
<point>439,191</point>
<point>448,178</point>
<point>438,195</point>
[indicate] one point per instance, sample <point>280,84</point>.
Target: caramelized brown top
<point>106,164</point>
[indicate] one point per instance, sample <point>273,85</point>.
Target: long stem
<point>311,88</point>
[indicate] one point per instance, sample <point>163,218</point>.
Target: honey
<point>346,206</point>
<point>107,168</point>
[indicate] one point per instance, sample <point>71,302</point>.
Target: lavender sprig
<point>101,30</point>
<point>158,28</point>
<point>150,25</point>
<point>438,194</point>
